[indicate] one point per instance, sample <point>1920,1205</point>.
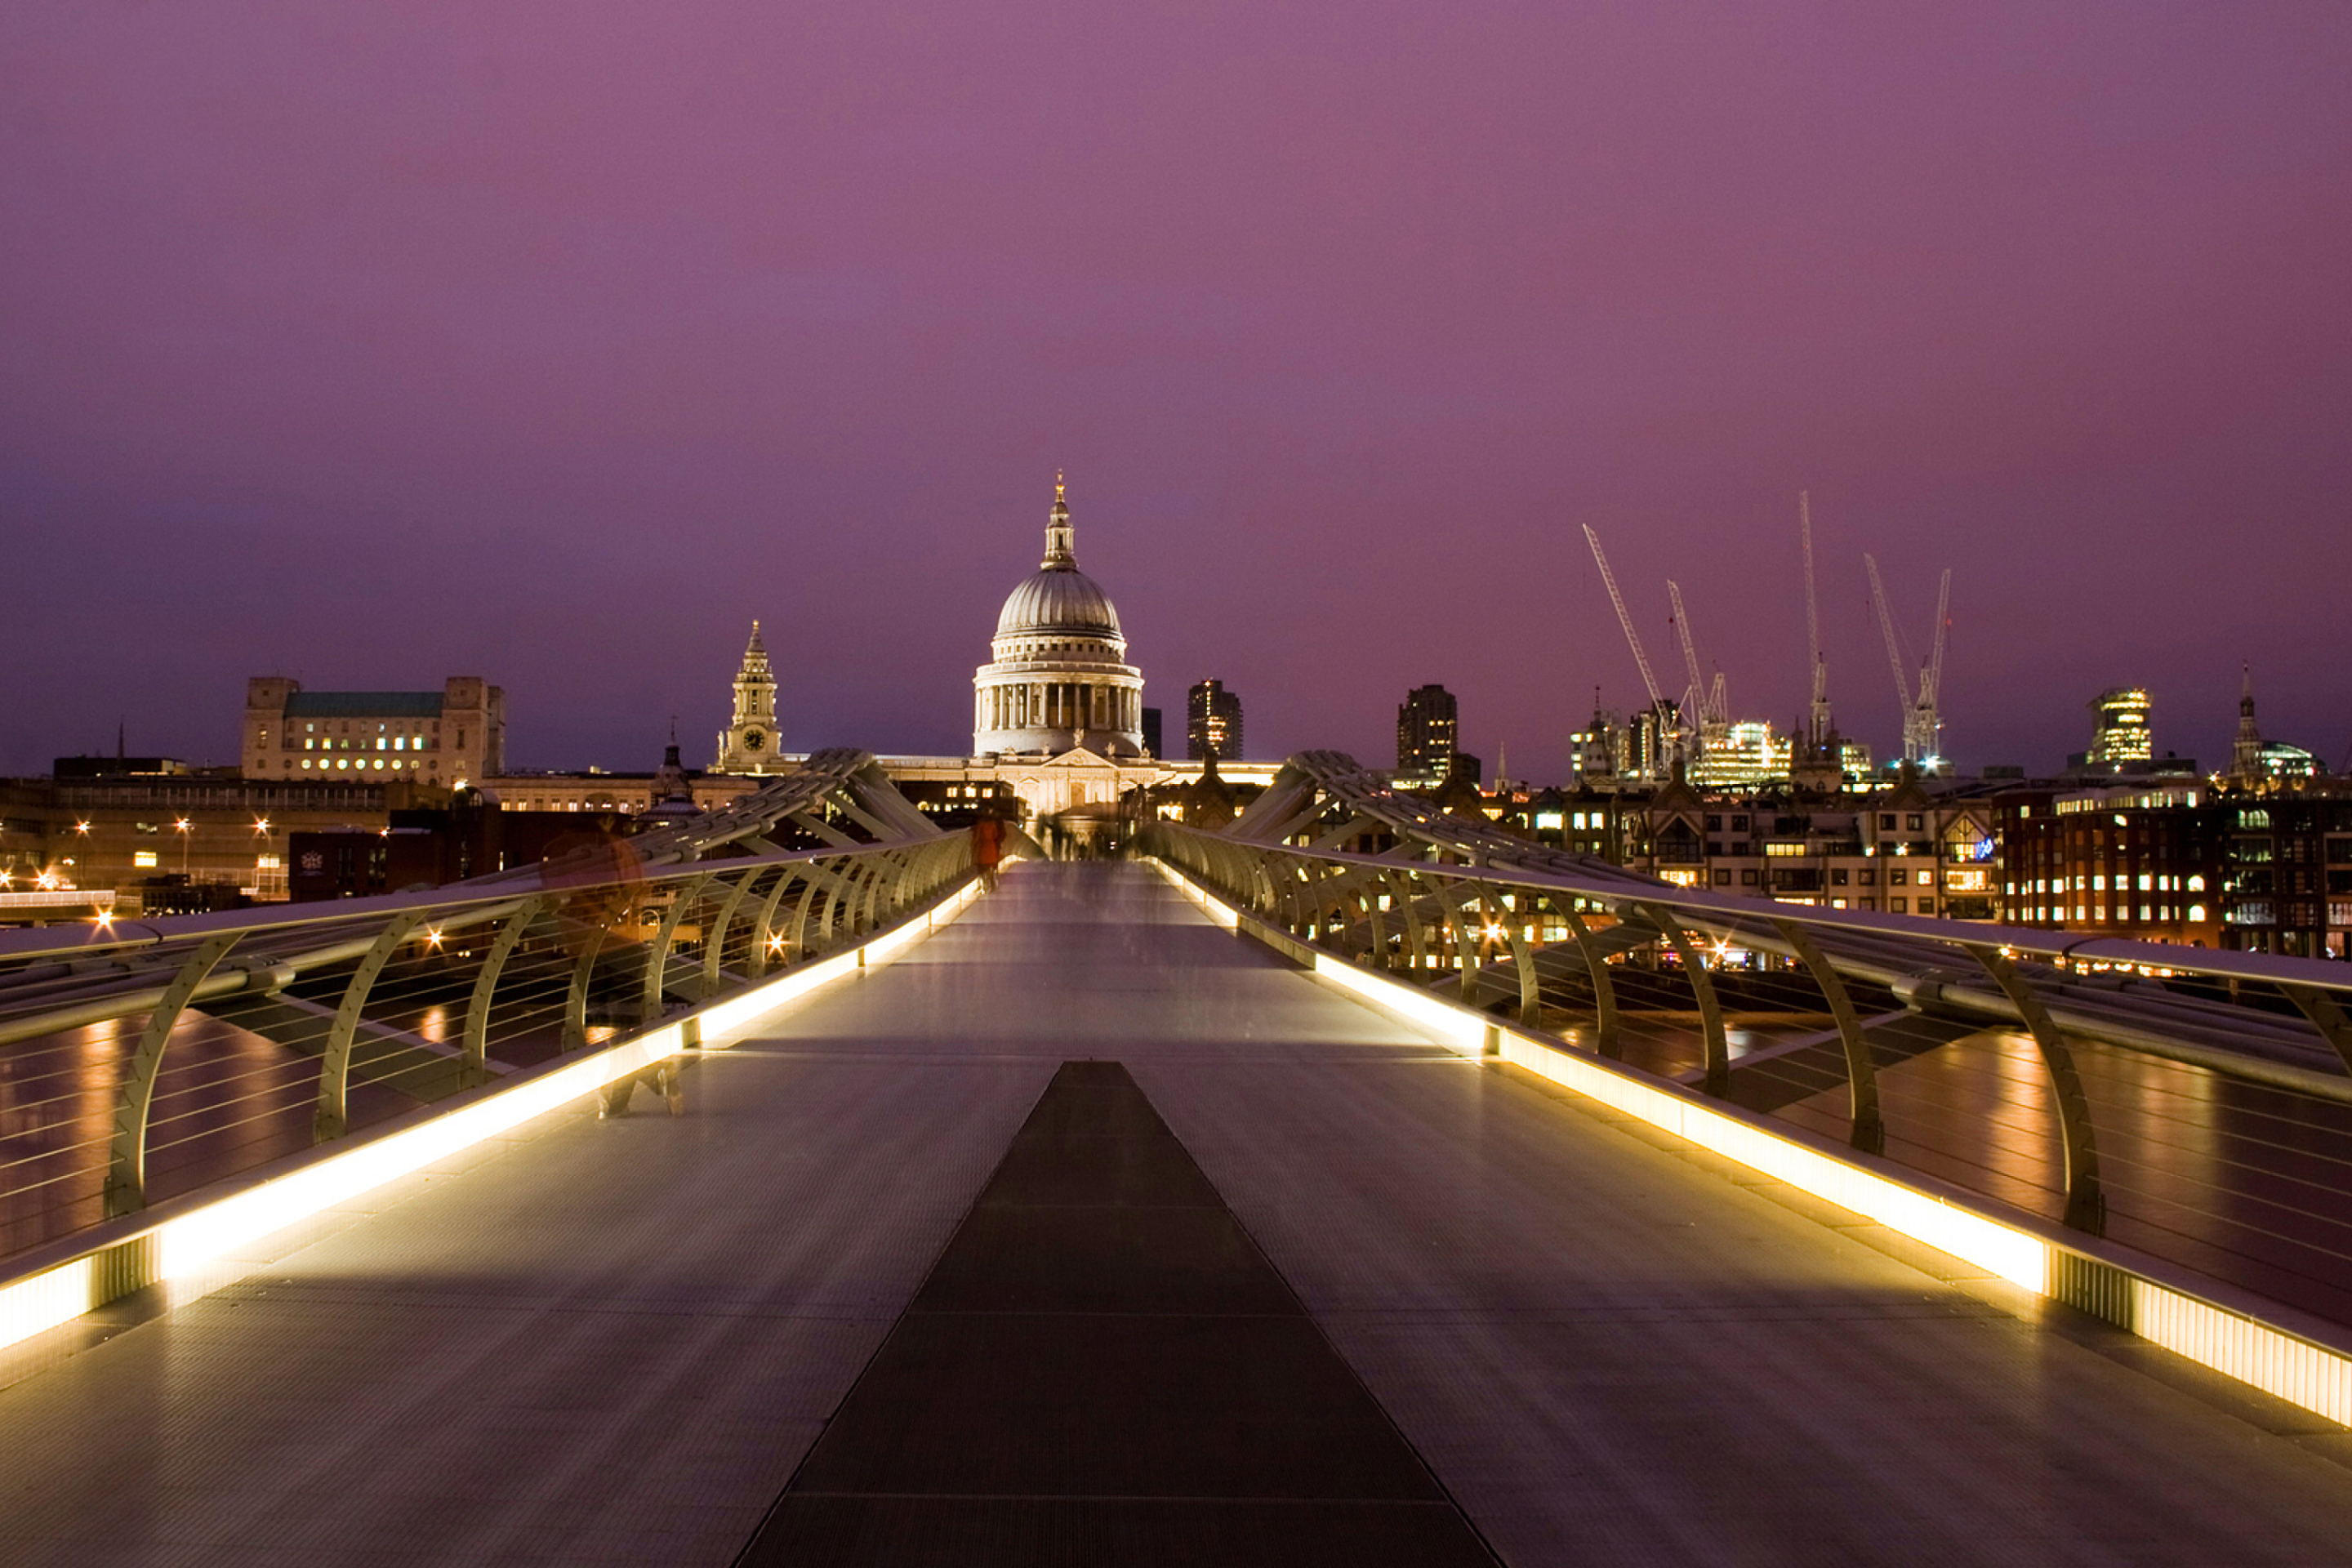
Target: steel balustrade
<point>181,1051</point>
<point>2193,1103</point>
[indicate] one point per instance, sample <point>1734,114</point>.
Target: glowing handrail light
<point>195,1243</point>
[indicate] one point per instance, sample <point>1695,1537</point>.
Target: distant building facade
<point>1428,732</point>
<point>2142,861</point>
<point>1213,722</point>
<point>447,738</point>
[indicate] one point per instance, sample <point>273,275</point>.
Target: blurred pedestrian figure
<point>987,849</point>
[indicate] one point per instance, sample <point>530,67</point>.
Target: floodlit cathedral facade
<point>1060,681</point>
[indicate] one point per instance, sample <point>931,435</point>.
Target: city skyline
<point>361,381</point>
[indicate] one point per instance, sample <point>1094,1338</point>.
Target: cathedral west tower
<point>750,744</point>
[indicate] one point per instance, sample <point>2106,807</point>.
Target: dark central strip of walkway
<point>1102,1368</point>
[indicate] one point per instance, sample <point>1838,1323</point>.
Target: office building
<point>1213,722</point>
<point>1428,732</point>
<point>451,738</point>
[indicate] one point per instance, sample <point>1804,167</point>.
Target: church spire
<point>2246,755</point>
<point>1061,540</point>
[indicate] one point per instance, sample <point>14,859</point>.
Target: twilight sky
<point>554,342</point>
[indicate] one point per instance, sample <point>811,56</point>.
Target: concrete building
<point>1213,722</point>
<point>449,738</point>
<point>1428,732</point>
<point>181,841</point>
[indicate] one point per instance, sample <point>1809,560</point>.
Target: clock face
<point>753,740</point>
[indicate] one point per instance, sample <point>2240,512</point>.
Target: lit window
<point>142,858</point>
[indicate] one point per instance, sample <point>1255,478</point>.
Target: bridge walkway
<point>619,1340</point>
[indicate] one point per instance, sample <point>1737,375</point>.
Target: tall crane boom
<point>1820,705</point>
<point>1894,652</point>
<point>1633,637</point>
<point>1931,677</point>
<point>1694,699</point>
<point>1923,724</point>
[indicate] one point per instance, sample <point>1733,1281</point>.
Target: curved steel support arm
<point>649,998</point>
<point>333,1114</point>
<point>2327,1015</point>
<point>714,941</point>
<point>2087,1204</point>
<point>126,1174</point>
<point>474,1060</point>
<point>1710,1010</point>
<point>1605,1038</point>
<point>575,1002</point>
<point>1869,1132</point>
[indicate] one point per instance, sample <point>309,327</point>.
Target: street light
<point>184,826</point>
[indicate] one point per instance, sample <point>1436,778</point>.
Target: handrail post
<point>474,1062</point>
<point>763,931</point>
<point>1710,1010</point>
<point>2327,1015</point>
<point>1868,1130</point>
<point>1524,958</point>
<point>714,941</point>
<point>126,1173</point>
<point>649,997</point>
<point>1605,1038</point>
<point>576,1003</point>
<point>333,1114</point>
<point>2086,1202</point>
<point>1407,897</point>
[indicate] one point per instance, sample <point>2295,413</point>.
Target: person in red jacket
<point>987,849</point>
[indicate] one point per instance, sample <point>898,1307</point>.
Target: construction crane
<point>1929,707</point>
<point>1820,705</point>
<point>1923,726</point>
<point>1658,704</point>
<point>1710,706</point>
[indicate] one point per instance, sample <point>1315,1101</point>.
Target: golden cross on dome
<point>1060,490</point>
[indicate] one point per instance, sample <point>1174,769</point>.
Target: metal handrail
<point>1633,968</point>
<point>306,1022</point>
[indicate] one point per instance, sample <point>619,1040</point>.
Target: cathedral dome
<point>1060,679</point>
<point>1059,599</point>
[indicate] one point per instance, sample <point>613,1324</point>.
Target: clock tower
<point>750,744</point>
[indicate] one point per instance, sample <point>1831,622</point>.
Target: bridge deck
<point>618,1341</point>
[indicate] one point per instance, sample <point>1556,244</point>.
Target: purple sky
<point>552,342</point>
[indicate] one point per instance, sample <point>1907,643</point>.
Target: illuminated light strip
<point>2282,1364</point>
<point>56,1296</point>
<point>187,1245</point>
<point>1218,913</point>
<point>1462,1032</point>
<point>2011,1253</point>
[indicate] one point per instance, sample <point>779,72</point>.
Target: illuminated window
<point>142,858</point>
